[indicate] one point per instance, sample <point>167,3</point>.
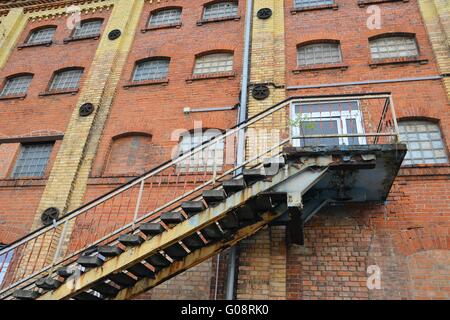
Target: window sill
<point>58,92</point>
<point>333,6</point>
<point>321,67</point>
<point>203,21</point>
<point>23,181</point>
<point>165,26</point>
<point>13,97</point>
<point>382,62</point>
<point>131,84</point>
<point>229,75</point>
<point>41,44</point>
<point>73,39</point>
<point>362,3</point>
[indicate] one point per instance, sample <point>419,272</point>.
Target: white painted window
<point>16,85</point>
<point>327,118</point>
<point>43,35</point>
<point>424,141</point>
<point>393,47</point>
<point>165,17</point>
<point>209,159</point>
<point>213,63</point>
<point>151,70</point>
<point>67,79</point>
<point>88,29</point>
<point>299,4</point>
<point>318,53</point>
<point>218,10</point>
<point>33,159</point>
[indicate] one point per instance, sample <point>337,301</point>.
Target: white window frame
<point>298,4</point>
<point>222,15</point>
<point>373,45</point>
<point>83,24</point>
<point>152,24</point>
<point>156,60</point>
<point>59,73</point>
<point>334,44</point>
<point>33,34</point>
<point>340,117</point>
<point>9,82</point>
<point>227,67</point>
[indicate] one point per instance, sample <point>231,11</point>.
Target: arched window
<point>41,35</point>
<point>88,28</point>
<point>32,160</point>
<point>424,141</point>
<point>151,69</point>
<point>223,9</point>
<point>393,46</point>
<point>66,79</point>
<point>214,63</point>
<point>129,154</point>
<point>208,159</point>
<point>164,17</point>
<point>16,85</point>
<point>319,53</point>
<point>299,4</point>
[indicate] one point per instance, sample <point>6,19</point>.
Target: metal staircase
<point>278,183</point>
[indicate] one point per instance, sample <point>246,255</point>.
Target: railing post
<point>394,118</point>
<point>59,247</point>
<point>138,203</point>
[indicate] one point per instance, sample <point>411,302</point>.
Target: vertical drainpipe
<point>231,275</point>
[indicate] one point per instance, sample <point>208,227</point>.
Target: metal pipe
<point>343,84</point>
<point>240,156</point>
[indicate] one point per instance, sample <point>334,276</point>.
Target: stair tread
<point>26,294</point>
<point>158,260</point>
<point>90,261</point>
<point>151,228</point>
<point>212,232</point>
<point>109,251</point>
<point>233,185</point>
<point>193,242</point>
<point>193,207</point>
<point>176,251</point>
<point>213,197</point>
<point>130,240</point>
<point>122,279</point>
<point>86,296</point>
<point>105,289</point>
<point>172,217</point>
<point>48,283</point>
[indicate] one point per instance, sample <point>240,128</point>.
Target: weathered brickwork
<point>135,128</point>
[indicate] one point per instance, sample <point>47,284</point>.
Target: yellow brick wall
<point>436,15</point>
<point>262,267</point>
<point>10,30</point>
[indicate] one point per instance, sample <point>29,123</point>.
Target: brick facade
<point>136,127</point>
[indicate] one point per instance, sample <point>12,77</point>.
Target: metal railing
<point>163,188</point>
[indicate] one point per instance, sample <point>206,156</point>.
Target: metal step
<point>253,175</point>
<point>151,229</point>
<point>212,232</point>
<point>245,213</point>
<point>48,283</point>
<point>230,222</point>
<point>176,251</point>
<point>193,242</point>
<point>122,279</point>
<point>86,296</point>
<point>130,240</point>
<point>65,272</point>
<point>158,261</point>
<point>213,197</point>
<point>141,271</point>
<point>90,261</point>
<point>109,251</point>
<point>105,289</point>
<point>172,218</point>
<point>193,207</point>
<point>233,186</point>
<point>26,294</point>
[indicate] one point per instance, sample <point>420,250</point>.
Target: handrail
<point>170,164</point>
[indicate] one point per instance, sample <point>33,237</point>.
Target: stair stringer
<point>136,254</point>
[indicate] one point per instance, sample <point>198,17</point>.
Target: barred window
<point>32,160</point>
<point>88,29</point>
<point>42,35</point>
<point>16,85</point>
<point>151,70</point>
<point>424,141</point>
<point>393,47</point>
<point>207,159</point>
<point>67,79</point>
<point>213,63</point>
<point>311,3</point>
<point>165,17</point>
<point>318,53</point>
<point>220,10</point>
